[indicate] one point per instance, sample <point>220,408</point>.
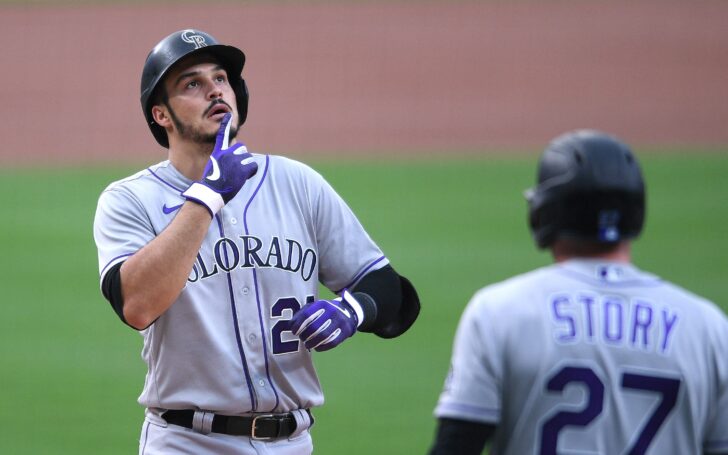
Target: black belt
<point>259,426</point>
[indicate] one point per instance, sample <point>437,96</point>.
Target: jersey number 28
<point>666,388</point>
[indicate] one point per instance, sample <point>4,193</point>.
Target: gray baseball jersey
<point>591,357</point>
<point>224,345</point>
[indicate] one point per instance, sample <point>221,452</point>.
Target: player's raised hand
<point>324,324</point>
<point>227,170</point>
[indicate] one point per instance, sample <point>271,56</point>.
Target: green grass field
<point>72,372</point>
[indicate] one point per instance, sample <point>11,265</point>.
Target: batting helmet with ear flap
<point>589,187</point>
<point>172,49</point>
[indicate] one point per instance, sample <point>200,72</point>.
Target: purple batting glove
<point>225,173</point>
<point>324,324</point>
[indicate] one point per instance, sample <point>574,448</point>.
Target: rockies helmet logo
<point>190,36</point>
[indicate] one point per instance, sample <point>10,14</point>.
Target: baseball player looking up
<point>215,256</point>
<point>590,355</point>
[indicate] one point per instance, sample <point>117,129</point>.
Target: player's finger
<point>223,134</point>
<point>319,337</point>
<point>246,159</point>
<point>329,342</point>
<point>251,169</point>
<point>302,320</point>
<point>313,334</point>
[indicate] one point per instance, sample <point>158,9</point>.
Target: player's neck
<point>566,250</point>
<point>190,158</point>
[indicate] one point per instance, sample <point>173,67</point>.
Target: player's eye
<point>192,84</point>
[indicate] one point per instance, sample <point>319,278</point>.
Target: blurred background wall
<point>375,77</point>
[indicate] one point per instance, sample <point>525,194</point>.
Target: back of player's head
<point>589,187</point>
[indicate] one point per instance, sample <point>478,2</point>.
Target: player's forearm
<point>461,437</point>
<point>393,298</point>
<point>152,278</point>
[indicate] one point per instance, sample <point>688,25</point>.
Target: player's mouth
<point>217,110</point>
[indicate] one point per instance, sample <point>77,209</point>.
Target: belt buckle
<point>253,434</point>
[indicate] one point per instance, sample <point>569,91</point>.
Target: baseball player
<point>215,256</point>
<point>590,355</point>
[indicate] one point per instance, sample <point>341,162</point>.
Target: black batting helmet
<point>589,187</point>
<point>182,44</point>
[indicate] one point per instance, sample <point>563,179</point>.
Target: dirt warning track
<point>377,77</point>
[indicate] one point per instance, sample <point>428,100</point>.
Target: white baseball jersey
<point>588,357</point>
<point>224,345</point>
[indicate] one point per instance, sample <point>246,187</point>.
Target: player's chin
<point>217,119</point>
<point>207,135</point>
<point>210,134</point>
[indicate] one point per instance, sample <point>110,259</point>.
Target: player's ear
<point>160,114</point>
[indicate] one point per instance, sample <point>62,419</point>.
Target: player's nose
<point>214,92</point>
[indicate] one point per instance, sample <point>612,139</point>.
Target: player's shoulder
<point>289,165</point>
<point>608,276</point>
<point>702,315</point>
<point>126,182</point>
<point>156,174</point>
<point>143,188</point>
<point>517,288</point>
<point>510,299</point>
<point>658,288</point>
<point>518,282</point>
<point>696,303</point>
<point>291,172</point>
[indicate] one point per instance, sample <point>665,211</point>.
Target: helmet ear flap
<point>159,134</point>
<point>242,96</point>
<point>544,222</point>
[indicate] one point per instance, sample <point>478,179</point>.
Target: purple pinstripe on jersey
<point>164,181</point>
<point>361,274</point>
<point>241,350</point>
<point>255,284</point>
